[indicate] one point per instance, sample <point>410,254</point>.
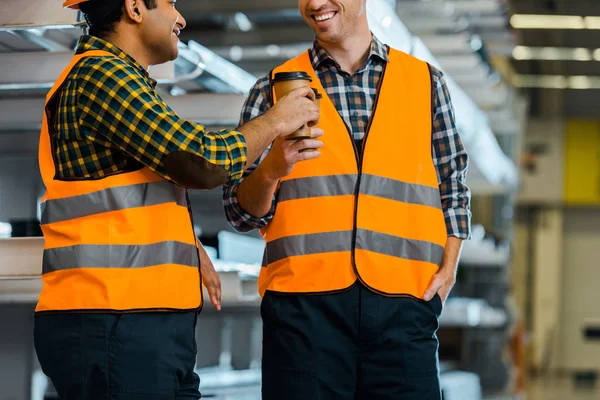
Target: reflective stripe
<point>119,256</point>
<point>112,199</point>
<point>339,185</point>
<point>400,191</point>
<point>317,186</point>
<point>410,249</point>
<point>290,246</point>
<point>308,244</point>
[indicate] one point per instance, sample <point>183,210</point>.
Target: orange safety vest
<point>380,220</point>
<point>121,243</point>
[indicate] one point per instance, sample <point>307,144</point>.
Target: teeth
<point>324,17</point>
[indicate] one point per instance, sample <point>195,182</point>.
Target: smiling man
<point>122,269</point>
<point>363,241</point>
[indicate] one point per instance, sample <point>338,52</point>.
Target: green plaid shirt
<point>109,120</point>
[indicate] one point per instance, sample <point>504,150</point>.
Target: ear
<point>134,9</point>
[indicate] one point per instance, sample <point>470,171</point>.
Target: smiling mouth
<point>176,32</point>
<point>324,17</point>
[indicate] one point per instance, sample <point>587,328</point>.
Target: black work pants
<point>350,345</point>
<point>138,356</point>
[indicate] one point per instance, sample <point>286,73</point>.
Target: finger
<point>304,91</point>
<point>306,144</point>
<point>433,288</point>
<point>316,132</point>
<point>307,154</point>
<point>219,294</point>
<point>218,291</point>
<point>215,298</point>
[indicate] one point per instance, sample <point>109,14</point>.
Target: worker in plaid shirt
<point>354,343</point>
<point>105,121</point>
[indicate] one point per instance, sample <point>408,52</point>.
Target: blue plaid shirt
<point>353,96</point>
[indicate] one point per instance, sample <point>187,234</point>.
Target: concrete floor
<point>555,389</point>
<point>561,389</point>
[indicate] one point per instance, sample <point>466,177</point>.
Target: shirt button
<point>355,114</point>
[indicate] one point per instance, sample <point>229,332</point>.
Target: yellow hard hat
<point>73,4</point>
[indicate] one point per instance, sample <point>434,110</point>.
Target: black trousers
<point>138,356</point>
<point>351,345</point>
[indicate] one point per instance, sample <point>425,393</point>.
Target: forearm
<point>451,255</point>
<point>255,193</point>
<point>259,134</point>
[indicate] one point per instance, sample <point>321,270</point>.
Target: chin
<point>328,37</point>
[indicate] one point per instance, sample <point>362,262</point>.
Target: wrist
<point>275,125</point>
<point>266,175</point>
<point>448,272</point>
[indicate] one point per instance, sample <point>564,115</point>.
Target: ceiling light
<point>522,53</point>
<point>554,82</point>
<point>554,53</point>
<point>541,81</point>
<point>581,54</point>
<point>242,21</point>
<point>236,53</point>
<point>550,53</point>
<point>579,82</point>
<point>592,22</point>
<point>535,21</point>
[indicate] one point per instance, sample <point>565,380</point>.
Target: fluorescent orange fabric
<point>383,224</point>
<point>73,4</point>
<point>100,249</point>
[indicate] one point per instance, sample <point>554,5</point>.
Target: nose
<point>181,22</point>
<point>317,4</point>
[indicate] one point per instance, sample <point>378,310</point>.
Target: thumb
<point>433,288</point>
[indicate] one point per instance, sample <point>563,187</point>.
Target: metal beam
<point>288,34</point>
<point>34,69</point>
<point>14,42</point>
<point>23,114</point>
<point>24,14</point>
<point>208,109</point>
<point>190,8</point>
<point>218,75</point>
<point>19,143</point>
<point>37,36</point>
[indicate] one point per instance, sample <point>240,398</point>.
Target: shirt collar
<point>319,55</point>
<point>88,43</point>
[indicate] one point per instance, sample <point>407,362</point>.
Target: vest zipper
<point>359,161</point>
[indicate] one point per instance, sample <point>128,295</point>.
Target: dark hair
<point>102,15</point>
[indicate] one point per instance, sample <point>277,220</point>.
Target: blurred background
<point>523,321</point>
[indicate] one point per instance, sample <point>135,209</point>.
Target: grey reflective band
<point>339,185</point>
<point>112,199</point>
<point>317,186</point>
<point>410,249</point>
<point>119,256</point>
<point>308,244</point>
<point>395,246</point>
<point>392,189</point>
